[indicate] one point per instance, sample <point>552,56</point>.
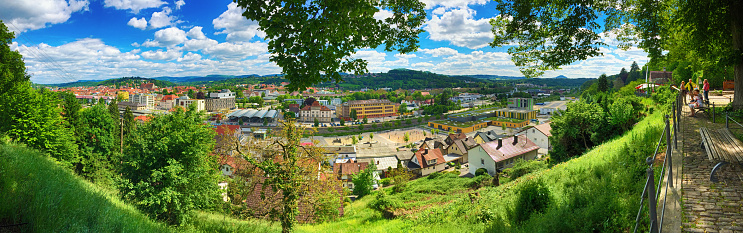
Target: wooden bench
<point>704,109</point>
<point>721,147</point>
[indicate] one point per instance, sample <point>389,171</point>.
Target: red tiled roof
<point>169,97</point>
<point>423,156</point>
<point>349,168</point>
<point>545,129</point>
<point>508,149</point>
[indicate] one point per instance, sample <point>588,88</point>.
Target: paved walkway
<point>707,206</point>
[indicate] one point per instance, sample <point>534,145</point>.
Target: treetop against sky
<point>68,40</point>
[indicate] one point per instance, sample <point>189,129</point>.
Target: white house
<point>540,135</point>
<point>427,161</point>
<point>545,111</point>
<point>497,155</point>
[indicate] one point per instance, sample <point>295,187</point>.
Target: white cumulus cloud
<point>196,33</point>
<point>452,3</point>
<point>179,4</point>
<point>138,23</point>
<point>162,18</point>
<point>167,37</point>
<point>134,5</point>
<point>21,16</point>
<point>236,26</point>
<point>459,27</point>
<point>440,52</point>
<point>162,55</point>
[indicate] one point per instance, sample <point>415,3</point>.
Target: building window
<point>482,161</point>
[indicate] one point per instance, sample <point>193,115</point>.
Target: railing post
<point>726,120</point>
<point>675,127</point>
<point>652,202</point>
<point>713,113</point>
<point>669,153</point>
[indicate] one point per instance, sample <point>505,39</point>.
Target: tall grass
<point>44,197</point>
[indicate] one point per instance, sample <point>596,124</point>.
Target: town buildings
<point>184,102</point>
<point>223,100</point>
<point>427,161</point>
<point>366,109</point>
<point>315,112</point>
<point>146,99</point>
<point>132,106</point>
<point>345,171</point>
<point>540,135</point>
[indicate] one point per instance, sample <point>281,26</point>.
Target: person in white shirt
<point>696,102</point>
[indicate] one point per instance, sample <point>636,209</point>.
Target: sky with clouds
<point>68,40</point>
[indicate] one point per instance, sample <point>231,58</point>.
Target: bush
<point>385,182</point>
<point>533,198</point>
<point>523,167</point>
<point>481,171</point>
<point>480,181</point>
<point>385,205</point>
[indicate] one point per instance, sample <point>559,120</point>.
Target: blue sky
<point>68,40</point>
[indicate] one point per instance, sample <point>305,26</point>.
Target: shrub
<point>479,181</point>
<point>385,182</point>
<point>523,167</point>
<point>481,171</point>
<point>385,205</point>
<point>533,198</point>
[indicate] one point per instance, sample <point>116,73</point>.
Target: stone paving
<point>707,206</point>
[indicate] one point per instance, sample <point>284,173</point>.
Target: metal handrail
<point>649,190</point>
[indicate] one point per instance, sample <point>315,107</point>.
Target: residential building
<point>316,111</point>
<point>147,86</point>
<point>384,163</point>
<point>167,102</point>
<point>500,154</point>
<point>223,100</point>
<point>452,137</point>
<point>147,99</point>
<point>660,77</point>
<point>430,143</point>
<point>366,109</point>
<point>485,137</point>
<point>540,135</point>
<point>460,147</point>
<point>344,171</point>
<point>340,154</point>
<point>296,101</point>
<point>427,161</point>
<point>466,97</point>
<point>545,111</point>
<point>184,102</point>
<point>323,102</point>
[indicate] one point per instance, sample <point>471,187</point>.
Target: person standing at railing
<point>706,90</point>
<point>696,102</point>
<point>691,86</point>
<point>683,91</point>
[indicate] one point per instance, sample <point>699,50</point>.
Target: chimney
<point>500,143</point>
<point>515,139</point>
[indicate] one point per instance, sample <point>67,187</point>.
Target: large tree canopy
<point>313,41</point>
<point>551,34</point>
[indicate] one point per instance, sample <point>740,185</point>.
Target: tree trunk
<point>736,26</point>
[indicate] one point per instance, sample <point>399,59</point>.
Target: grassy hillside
<point>41,196</point>
<point>596,192</point>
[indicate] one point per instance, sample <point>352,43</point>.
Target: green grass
<point>457,123</point>
<point>50,198</point>
<point>44,197</point>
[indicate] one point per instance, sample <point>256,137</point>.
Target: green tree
<point>168,171</point>
<point>113,110</point>
<point>354,140</point>
<point>634,73</point>
<point>343,122</point>
<point>403,108</point>
<point>99,146</point>
<point>603,84</point>
<point>12,67</point>
<point>406,137</point>
<point>129,123</point>
<point>363,182</point>
<point>317,123</point>
<point>191,94</point>
<point>353,114</point>
<point>313,40</point>
<point>623,75</point>
<point>366,120</point>
<point>572,130</point>
<point>371,137</point>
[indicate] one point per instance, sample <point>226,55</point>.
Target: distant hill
<point>131,81</point>
<point>561,76</point>
<point>493,77</point>
<point>404,79</point>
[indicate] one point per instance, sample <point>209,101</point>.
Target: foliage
<point>50,198</point>
<point>481,172</point>
<point>364,180</point>
<point>309,40</point>
<point>167,169</point>
<point>480,180</point>
<point>603,84</point>
<point>533,198</point>
<point>572,130</point>
<point>96,134</point>
<point>353,114</point>
<point>12,67</point>
<point>522,167</point>
<point>384,204</point>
